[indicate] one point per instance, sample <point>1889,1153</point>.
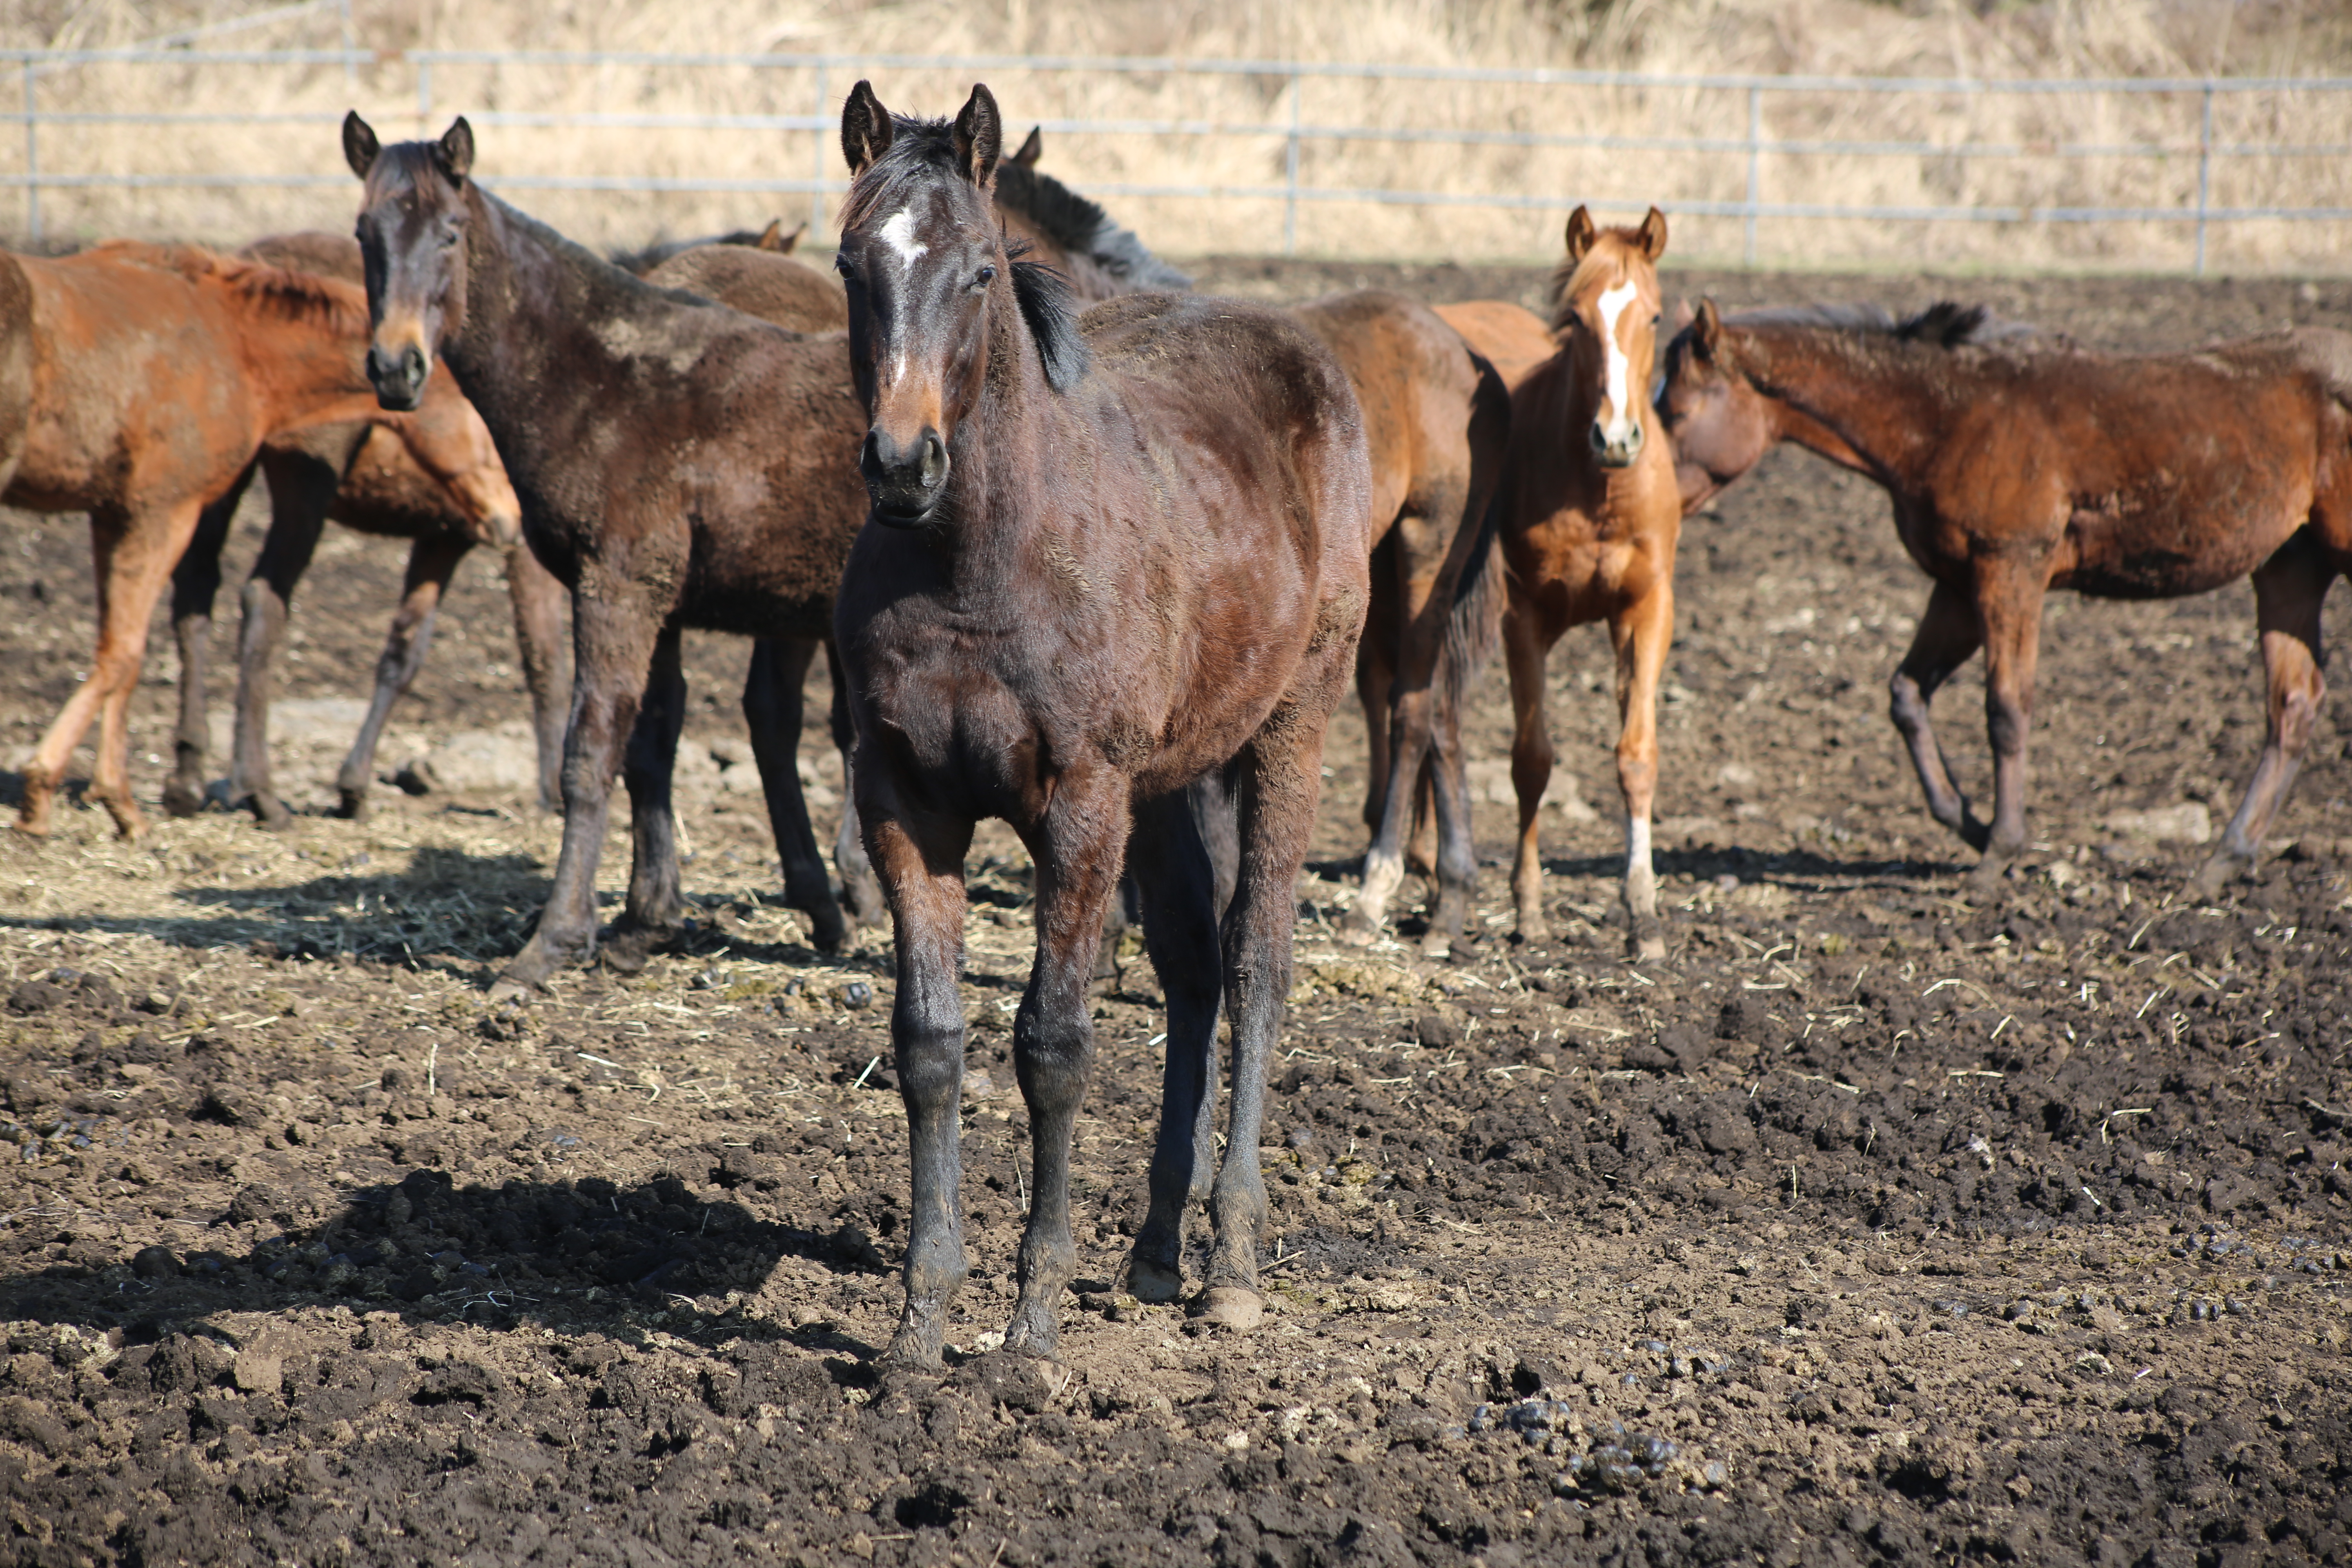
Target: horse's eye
<point>987,276</point>
<point>448,239</point>
<point>841,265</point>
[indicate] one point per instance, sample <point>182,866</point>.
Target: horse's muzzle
<point>398,379</point>
<point>905,481</point>
<point>1620,452</point>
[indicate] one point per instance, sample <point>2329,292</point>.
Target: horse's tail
<point>1476,624</point>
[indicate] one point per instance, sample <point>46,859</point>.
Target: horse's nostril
<point>1599,437</point>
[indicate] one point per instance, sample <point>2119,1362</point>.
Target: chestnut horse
<point>1590,519</point>
<point>1438,422</point>
<point>1106,558</point>
<point>679,463</point>
<point>434,480</point>
<point>137,383</point>
<point>2019,466</point>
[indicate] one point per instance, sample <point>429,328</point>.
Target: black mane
<point>1945,324</point>
<point>1080,227</point>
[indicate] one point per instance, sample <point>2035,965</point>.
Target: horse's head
<point>1607,307</point>
<point>925,264</point>
<point>1714,414</point>
<point>412,234</point>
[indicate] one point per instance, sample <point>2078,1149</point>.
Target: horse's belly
<point>2182,543</point>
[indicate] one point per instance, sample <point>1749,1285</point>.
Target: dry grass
<point>2062,38</point>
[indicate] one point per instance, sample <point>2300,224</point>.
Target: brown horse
<point>1591,521</point>
<point>679,463</point>
<point>1104,561</point>
<point>775,237</point>
<point>1438,422</point>
<point>2019,466</point>
<point>435,480</point>
<point>138,381</point>
<point>1511,338</point>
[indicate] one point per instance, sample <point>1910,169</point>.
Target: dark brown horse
<point>679,463</point>
<point>1590,522</point>
<point>1438,421</point>
<point>1103,562</point>
<point>433,479</point>
<point>2017,466</point>
<point>137,383</point>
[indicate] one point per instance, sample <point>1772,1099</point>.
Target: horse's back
<point>1511,338</point>
<point>763,283</point>
<point>1254,388</point>
<point>1416,382</point>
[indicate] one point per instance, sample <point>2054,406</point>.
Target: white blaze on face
<point>899,234</point>
<point>1621,415</point>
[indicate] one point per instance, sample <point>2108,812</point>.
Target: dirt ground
<point>1878,1223</point>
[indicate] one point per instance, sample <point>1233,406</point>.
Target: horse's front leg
<point>920,858</point>
<point>1079,847</point>
<point>2290,591</point>
<point>537,599</point>
<point>771,708</point>
<point>2012,616</point>
<point>614,629</point>
<point>301,487</point>
<point>1175,873</point>
<point>861,894</point>
<point>195,584</point>
<point>1526,643</point>
<point>1949,635</point>
<point>1642,632</point>
<point>650,916</point>
<point>432,561</point>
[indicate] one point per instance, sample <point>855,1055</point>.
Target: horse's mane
<point>1570,277</point>
<point>1945,324</point>
<point>1080,226</point>
<point>282,291</point>
<point>921,148</point>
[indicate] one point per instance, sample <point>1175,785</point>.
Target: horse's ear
<point>1707,330</point>
<point>1580,234</point>
<point>1653,234</point>
<point>979,137</point>
<point>774,237</point>
<point>455,151</point>
<point>864,129</point>
<point>1684,314</point>
<point>359,145</point>
<point>1031,149</point>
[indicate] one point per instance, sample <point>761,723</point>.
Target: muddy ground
<point>1880,1222</point>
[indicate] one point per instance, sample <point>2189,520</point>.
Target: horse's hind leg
<point>1456,859</point>
<point>2012,613</point>
<point>1399,693</point>
<point>921,862</point>
<point>771,708</point>
<point>1078,847</point>
<point>1175,873</point>
<point>650,916</point>
<point>432,561</point>
<point>2290,590</point>
<point>301,487</point>
<point>1642,632</point>
<point>1948,637</point>
<point>195,584</point>
<point>537,602</point>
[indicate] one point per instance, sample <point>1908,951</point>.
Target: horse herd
<point>1090,554</point>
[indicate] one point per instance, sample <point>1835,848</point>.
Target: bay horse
<point>1108,556</point>
<point>2017,466</point>
<point>433,479</point>
<point>137,383</point>
<point>679,464</point>
<point>1437,420</point>
<point>1591,521</point>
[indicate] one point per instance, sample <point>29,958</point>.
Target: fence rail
<point>1743,148</point>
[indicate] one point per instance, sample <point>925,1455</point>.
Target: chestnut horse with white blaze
<point>1590,520</point>
<point>2018,465</point>
<point>1108,556</point>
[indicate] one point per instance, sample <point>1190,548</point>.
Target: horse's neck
<point>305,368</point>
<point>998,487</point>
<point>528,293</point>
<point>1867,412</point>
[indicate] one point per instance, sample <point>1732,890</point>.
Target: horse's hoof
<point>1229,1307</point>
<point>911,1351</point>
<point>183,800</point>
<point>1150,1282</point>
<point>1034,1334</point>
<point>507,989</point>
<point>2218,873</point>
<point>1988,874</point>
<point>269,812</point>
<point>1646,943</point>
<point>352,805</point>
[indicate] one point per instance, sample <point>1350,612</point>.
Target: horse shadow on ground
<point>448,909</point>
<point>584,1257</point>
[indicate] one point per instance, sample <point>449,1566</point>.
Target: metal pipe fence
<point>1775,157</point>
